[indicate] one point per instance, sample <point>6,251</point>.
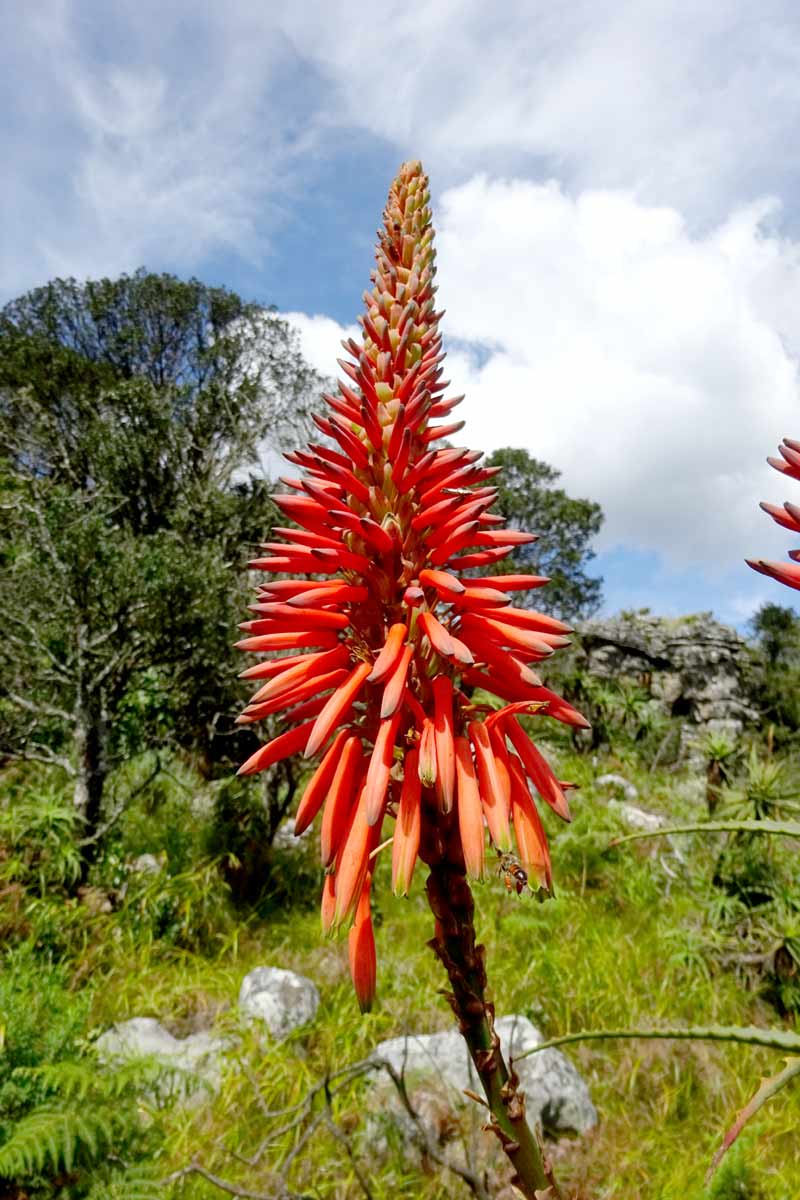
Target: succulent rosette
<point>392,636</point>
<point>786,515</point>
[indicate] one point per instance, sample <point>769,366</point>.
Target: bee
<point>511,871</point>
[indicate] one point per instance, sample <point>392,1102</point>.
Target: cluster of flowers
<point>388,642</point>
<point>787,515</point>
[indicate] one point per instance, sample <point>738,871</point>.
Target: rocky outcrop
<point>693,666</point>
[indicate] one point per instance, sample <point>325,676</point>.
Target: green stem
<point>745,1035</point>
<point>454,945</point>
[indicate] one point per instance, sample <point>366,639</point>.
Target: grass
<point>626,942</point>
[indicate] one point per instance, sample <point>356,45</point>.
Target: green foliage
<point>765,792</point>
<point>157,387</point>
<point>777,629</point>
<point>246,816</point>
<point>90,1119</point>
<point>188,910</point>
<point>529,500</point>
<point>39,829</point>
<point>50,1139</point>
<point>132,1183</point>
<point>131,412</point>
<point>42,1022</point>
<point>777,676</point>
<point>624,717</point>
<point>64,1119</point>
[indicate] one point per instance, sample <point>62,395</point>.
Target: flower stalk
<point>454,944</point>
<point>382,640</point>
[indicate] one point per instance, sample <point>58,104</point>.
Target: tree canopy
<point>132,412</point>
<point>529,499</point>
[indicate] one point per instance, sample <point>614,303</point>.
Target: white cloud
<point>177,133</point>
<point>653,367</point>
<point>321,339</point>
<point>694,104</point>
<point>164,134</point>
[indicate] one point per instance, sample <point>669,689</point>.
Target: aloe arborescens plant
<point>389,642</point>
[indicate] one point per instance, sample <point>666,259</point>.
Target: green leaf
<point>767,1089</point>
<point>744,1035</point>
<point>53,1137</point>
<point>776,828</point>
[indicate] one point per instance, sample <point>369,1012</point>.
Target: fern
<point>134,1184</point>
<point>75,1080</point>
<point>86,1112</point>
<point>53,1138</point>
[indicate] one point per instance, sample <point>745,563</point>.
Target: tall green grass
<point>631,938</point>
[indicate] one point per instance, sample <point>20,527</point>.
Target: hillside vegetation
<point>647,934</point>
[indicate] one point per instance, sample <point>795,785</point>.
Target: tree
<point>530,500</point>
<point>130,412</point>
<point>777,629</point>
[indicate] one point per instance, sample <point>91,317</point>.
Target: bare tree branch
<point>6,615</point>
<point>232,1189</point>
<point>41,754</point>
<point>47,543</point>
<point>336,1132</point>
<point>128,652</point>
<point>122,807</point>
<point>301,1119</point>
<point>39,709</point>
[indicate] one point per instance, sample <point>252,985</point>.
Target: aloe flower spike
<point>387,641</point>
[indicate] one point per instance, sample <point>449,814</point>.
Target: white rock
<point>193,1064</point>
<point>281,999</point>
<point>147,864</point>
<point>629,790</point>
<point>636,818</point>
<point>555,1093</point>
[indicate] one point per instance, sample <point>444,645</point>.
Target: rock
<point>639,818</point>
<point>636,818</point>
<point>281,999</point>
<point>96,899</point>
<point>439,1063</point>
<point>193,1065</point>
<point>147,864</point>
<point>629,790</point>
<point>286,839</point>
<point>693,666</point>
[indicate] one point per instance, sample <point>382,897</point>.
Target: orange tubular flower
<point>386,640</point>
<point>788,517</point>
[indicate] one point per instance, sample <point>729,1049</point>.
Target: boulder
<point>281,999</point>
<point>147,864</point>
<point>636,818</point>
<point>628,789</point>
<point>693,666</point>
<point>192,1065</point>
<point>438,1065</point>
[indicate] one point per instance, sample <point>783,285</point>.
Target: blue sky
<point>615,189</point>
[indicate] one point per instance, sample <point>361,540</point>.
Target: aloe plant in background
<point>756,809</point>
